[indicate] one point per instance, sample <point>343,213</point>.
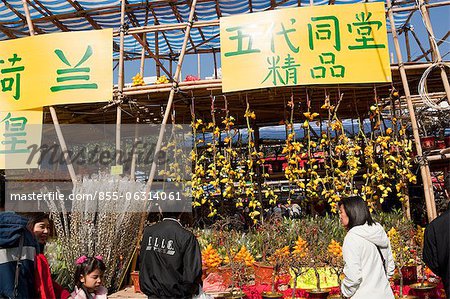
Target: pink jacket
<point>101,293</point>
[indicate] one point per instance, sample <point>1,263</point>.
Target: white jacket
<point>365,277</point>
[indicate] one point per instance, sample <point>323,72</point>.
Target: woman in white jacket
<point>367,253</point>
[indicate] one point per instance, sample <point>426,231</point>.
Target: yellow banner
<point>329,44</point>
<point>20,131</point>
<point>52,69</point>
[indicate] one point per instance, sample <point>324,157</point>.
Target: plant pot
<point>135,279</point>
<point>204,272</point>
<point>447,141</point>
<point>423,291</point>
<point>225,273</point>
<point>263,273</point>
<point>270,295</point>
<point>409,274</point>
<point>320,294</point>
<point>440,144</point>
<point>428,143</point>
<point>234,295</point>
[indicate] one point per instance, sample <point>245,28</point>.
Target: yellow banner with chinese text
<point>330,44</point>
<point>52,69</point>
<point>20,132</point>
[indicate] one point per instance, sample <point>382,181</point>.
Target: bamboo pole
<point>437,54</point>
<point>135,144</point>
<point>58,130</point>
<point>424,169</point>
<point>164,121</point>
<point>141,68</point>
<point>158,68</point>
<point>200,24</point>
<point>198,66</point>
<point>408,48</point>
<point>120,82</point>
<point>215,64</point>
<point>171,95</point>
<point>424,53</point>
<point>441,40</point>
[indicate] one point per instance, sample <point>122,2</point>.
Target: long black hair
<point>357,211</point>
<point>86,265</point>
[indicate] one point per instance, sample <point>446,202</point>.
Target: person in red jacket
<point>39,224</point>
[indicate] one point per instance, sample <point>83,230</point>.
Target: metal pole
<point>424,169</point>
<point>171,95</point>
<point>120,82</point>
<point>58,130</point>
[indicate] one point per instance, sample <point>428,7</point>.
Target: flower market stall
<point>306,105</point>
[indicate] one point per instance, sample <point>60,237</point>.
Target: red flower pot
<point>409,274</point>
<point>263,273</point>
<point>428,143</point>
<point>135,279</point>
<point>447,141</point>
<point>225,273</point>
<point>440,144</point>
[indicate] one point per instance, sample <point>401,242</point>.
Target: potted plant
<point>268,236</point>
<point>279,261</point>
<point>336,260</point>
<point>422,288</point>
<point>317,257</point>
<point>235,273</point>
<point>298,261</point>
<point>401,238</point>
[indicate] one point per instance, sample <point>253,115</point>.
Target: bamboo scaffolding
<point>120,82</point>
<point>437,54</point>
<point>58,130</point>
<point>429,51</point>
<point>200,24</point>
<point>424,169</point>
<point>164,122</point>
<point>171,95</point>
<point>438,157</point>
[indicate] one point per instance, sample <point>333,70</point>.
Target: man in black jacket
<point>436,248</point>
<point>170,261</point>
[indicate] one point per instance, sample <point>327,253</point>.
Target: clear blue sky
<point>440,18</point>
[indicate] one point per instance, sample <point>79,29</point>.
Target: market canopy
<point>50,16</point>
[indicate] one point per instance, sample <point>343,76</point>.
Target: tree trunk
<point>317,279</point>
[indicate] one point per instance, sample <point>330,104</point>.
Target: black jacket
<point>12,228</point>
<point>171,263</point>
<point>436,248</point>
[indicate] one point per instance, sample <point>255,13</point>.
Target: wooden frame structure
<point>154,103</point>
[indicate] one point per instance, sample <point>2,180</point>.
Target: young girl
<point>88,278</point>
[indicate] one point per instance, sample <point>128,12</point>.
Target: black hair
<point>89,265</point>
<point>357,211</point>
<point>34,218</point>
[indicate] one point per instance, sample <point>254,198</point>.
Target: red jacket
<point>46,287</point>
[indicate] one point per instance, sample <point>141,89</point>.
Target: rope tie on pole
<point>124,28</point>
<point>421,160</point>
<point>175,87</point>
